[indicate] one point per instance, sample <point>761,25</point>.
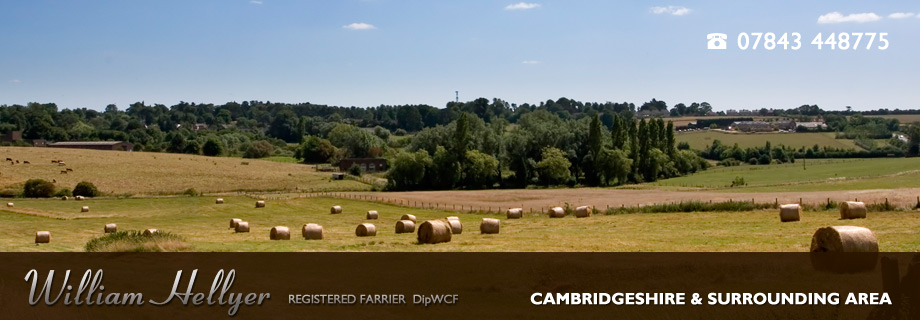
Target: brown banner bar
<point>456,286</point>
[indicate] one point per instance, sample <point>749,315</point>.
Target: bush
<point>63,192</point>
<point>259,149</point>
<point>136,241</point>
<point>355,170</point>
<point>9,193</point>
<point>86,189</point>
<point>401,132</point>
<point>191,192</point>
<point>738,181</point>
<point>212,148</point>
<point>38,188</point>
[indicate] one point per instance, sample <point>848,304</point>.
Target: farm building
<point>95,145</point>
<point>366,164</point>
<point>16,136</point>
<point>751,126</point>
<point>11,137</point>
<point>815,125</point>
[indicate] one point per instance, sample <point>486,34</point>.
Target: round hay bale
<point>456,227</point>
<point>260,204</point>
<point>110,227</point>
<point>149,232</point>
<point>408,217</point>
<point>789,212</point>
<point>219,201</point>
<point>489,226</point>
<point>312,231</point>
<point>366,230</point>
<point>583,212</point>
<point>78,198</point>
<point>234,222</point>
<point>335,209</point>
<point>372,215</point>
<point>241,227</point>
<point>844,249</point>
<point>84,209</point>
<point>405,226</point>
<point>10,205</point>
<point>852,210</point>
<point>434,231</point>
<point>515,213</point>
<point>42,236</point>
<point>556,212</point>
<point>280,233</point>
<point>65,198</point>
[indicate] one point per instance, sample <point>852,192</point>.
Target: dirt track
<point>601,198</point>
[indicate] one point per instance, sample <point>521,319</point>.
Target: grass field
<point>204,225</point>
<point>115,172</point>
<point>902,118</point>
<point>816,174</point>
<point>701,139</point>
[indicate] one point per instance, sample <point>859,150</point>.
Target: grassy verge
<point>204,227</point>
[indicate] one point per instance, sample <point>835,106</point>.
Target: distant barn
<point>95,145</point>
<point>366,164</point>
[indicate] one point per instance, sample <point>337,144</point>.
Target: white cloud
<point>530,62</point>
<point>837,17</point>
<point>255,2</point>
<point>672,10</point>
<point>522,6</point>
<point>901,15</point>
<point>15,81</point>
<point>359,26</point>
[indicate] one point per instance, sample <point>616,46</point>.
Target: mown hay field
<point>205,227</point>
<point>809,175</point>
<point>701,139</point>
<point>119,173</point>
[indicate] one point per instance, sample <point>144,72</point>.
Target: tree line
<point>541,149</point>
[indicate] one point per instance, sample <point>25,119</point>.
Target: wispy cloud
<point>530,62</point>
<point>359,26</point>
<point>255,1</point>
<point>15,81</point>
<point>901,15</point>
<point>837,17</point>
<point>522,6</point>
<point>672,10</point>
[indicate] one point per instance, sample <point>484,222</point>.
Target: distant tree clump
<point>38,188</point>
<point>259,149</point>
<point>86,189</point>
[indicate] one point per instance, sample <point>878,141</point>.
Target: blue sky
<point>371,52</point>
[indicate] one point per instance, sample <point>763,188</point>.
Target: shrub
<point>355,170</point>
<point>259,149</point>
<point>401,132</point>
<point>9,193</point>
<point>38,188</point>
<point>738,181</point>
<point>136,241</point>
<point>63,192</point>
<point>191,192</point>
<point>212,148</point>
<point>86,189</point>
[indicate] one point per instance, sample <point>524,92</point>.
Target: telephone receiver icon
<point>716,41</point>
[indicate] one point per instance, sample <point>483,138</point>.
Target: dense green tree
<point>212,148</point>
<point>38,188</point>
<point>259,149</point>
<point>315,150</point>
<point>553,168</point>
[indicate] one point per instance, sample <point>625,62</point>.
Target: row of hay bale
<point>554,212</point>
<point>45,236</point>
<point>848,210</point>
